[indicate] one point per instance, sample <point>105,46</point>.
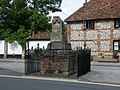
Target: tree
<point>19,18</point>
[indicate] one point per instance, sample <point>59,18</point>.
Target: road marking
<point>59,79</point>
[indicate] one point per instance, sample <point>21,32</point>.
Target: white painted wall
<point>17,49</point>
<point>14,48</point>
<point>1,46</point>
<point>41,44</point>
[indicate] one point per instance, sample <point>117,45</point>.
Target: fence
<point>59,63</point>
<point>32,63</point>
<point>83,62</point>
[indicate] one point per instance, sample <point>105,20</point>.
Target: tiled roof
<point>97,9</point>
<point>41,35</point>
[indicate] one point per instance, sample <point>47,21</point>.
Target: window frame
<point>117,23</point>
<point>89,24</point>
<point>118,46</point>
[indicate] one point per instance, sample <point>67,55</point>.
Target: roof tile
<point>97,9</point>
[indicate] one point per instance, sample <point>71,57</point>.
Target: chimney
<point>86,1</point>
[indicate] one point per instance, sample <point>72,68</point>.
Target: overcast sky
<point>68,7</point>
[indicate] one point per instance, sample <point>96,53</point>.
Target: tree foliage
<point>19,18</point>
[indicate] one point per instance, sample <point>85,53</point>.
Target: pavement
<point>101,72</point>
<point>9,72</point>
<point>12,66</point>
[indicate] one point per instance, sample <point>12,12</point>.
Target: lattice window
<point>89,24</point>
<point>116,45</point>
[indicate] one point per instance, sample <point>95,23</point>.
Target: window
<point>89,24</point>
<point>116,45</point>
<point>117,23</point>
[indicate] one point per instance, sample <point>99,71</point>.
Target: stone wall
<point>99,40</point>
<point>76,26</point>
<point>103,24</point>
<point>60,63</point>
<point>116,34</point>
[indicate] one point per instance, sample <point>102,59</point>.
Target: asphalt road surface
<point>8,83</point>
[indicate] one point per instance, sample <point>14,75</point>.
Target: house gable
<point>97,9</point>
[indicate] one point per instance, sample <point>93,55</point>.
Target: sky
<point>68,7</point>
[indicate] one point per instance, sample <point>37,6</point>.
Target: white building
<point>14,50</point>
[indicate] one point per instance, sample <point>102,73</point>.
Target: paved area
<point>9,72</point>
<point>12,66</point>
<point>103,72</point>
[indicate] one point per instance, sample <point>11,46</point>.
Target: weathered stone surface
<point>58,58</point>
<point>92,44</point>
<point>59,46</point>
<point>58,36</point>
<point>105,45</point>
<point>94,53</point>
<point>102,36</point>
<point>77,44</point>
<point>58,31</point>
<point>91,35</point>
<point>103,24</point>
<point>116,34</point>
<point>58,62</point>
<point>76,26</point>
<point>77,35</point>
<point>105,34</point>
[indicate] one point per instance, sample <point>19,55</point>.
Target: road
<point>8,83</point>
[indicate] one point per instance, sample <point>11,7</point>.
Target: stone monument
<point>58,35</point>
<point>58,59</point>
